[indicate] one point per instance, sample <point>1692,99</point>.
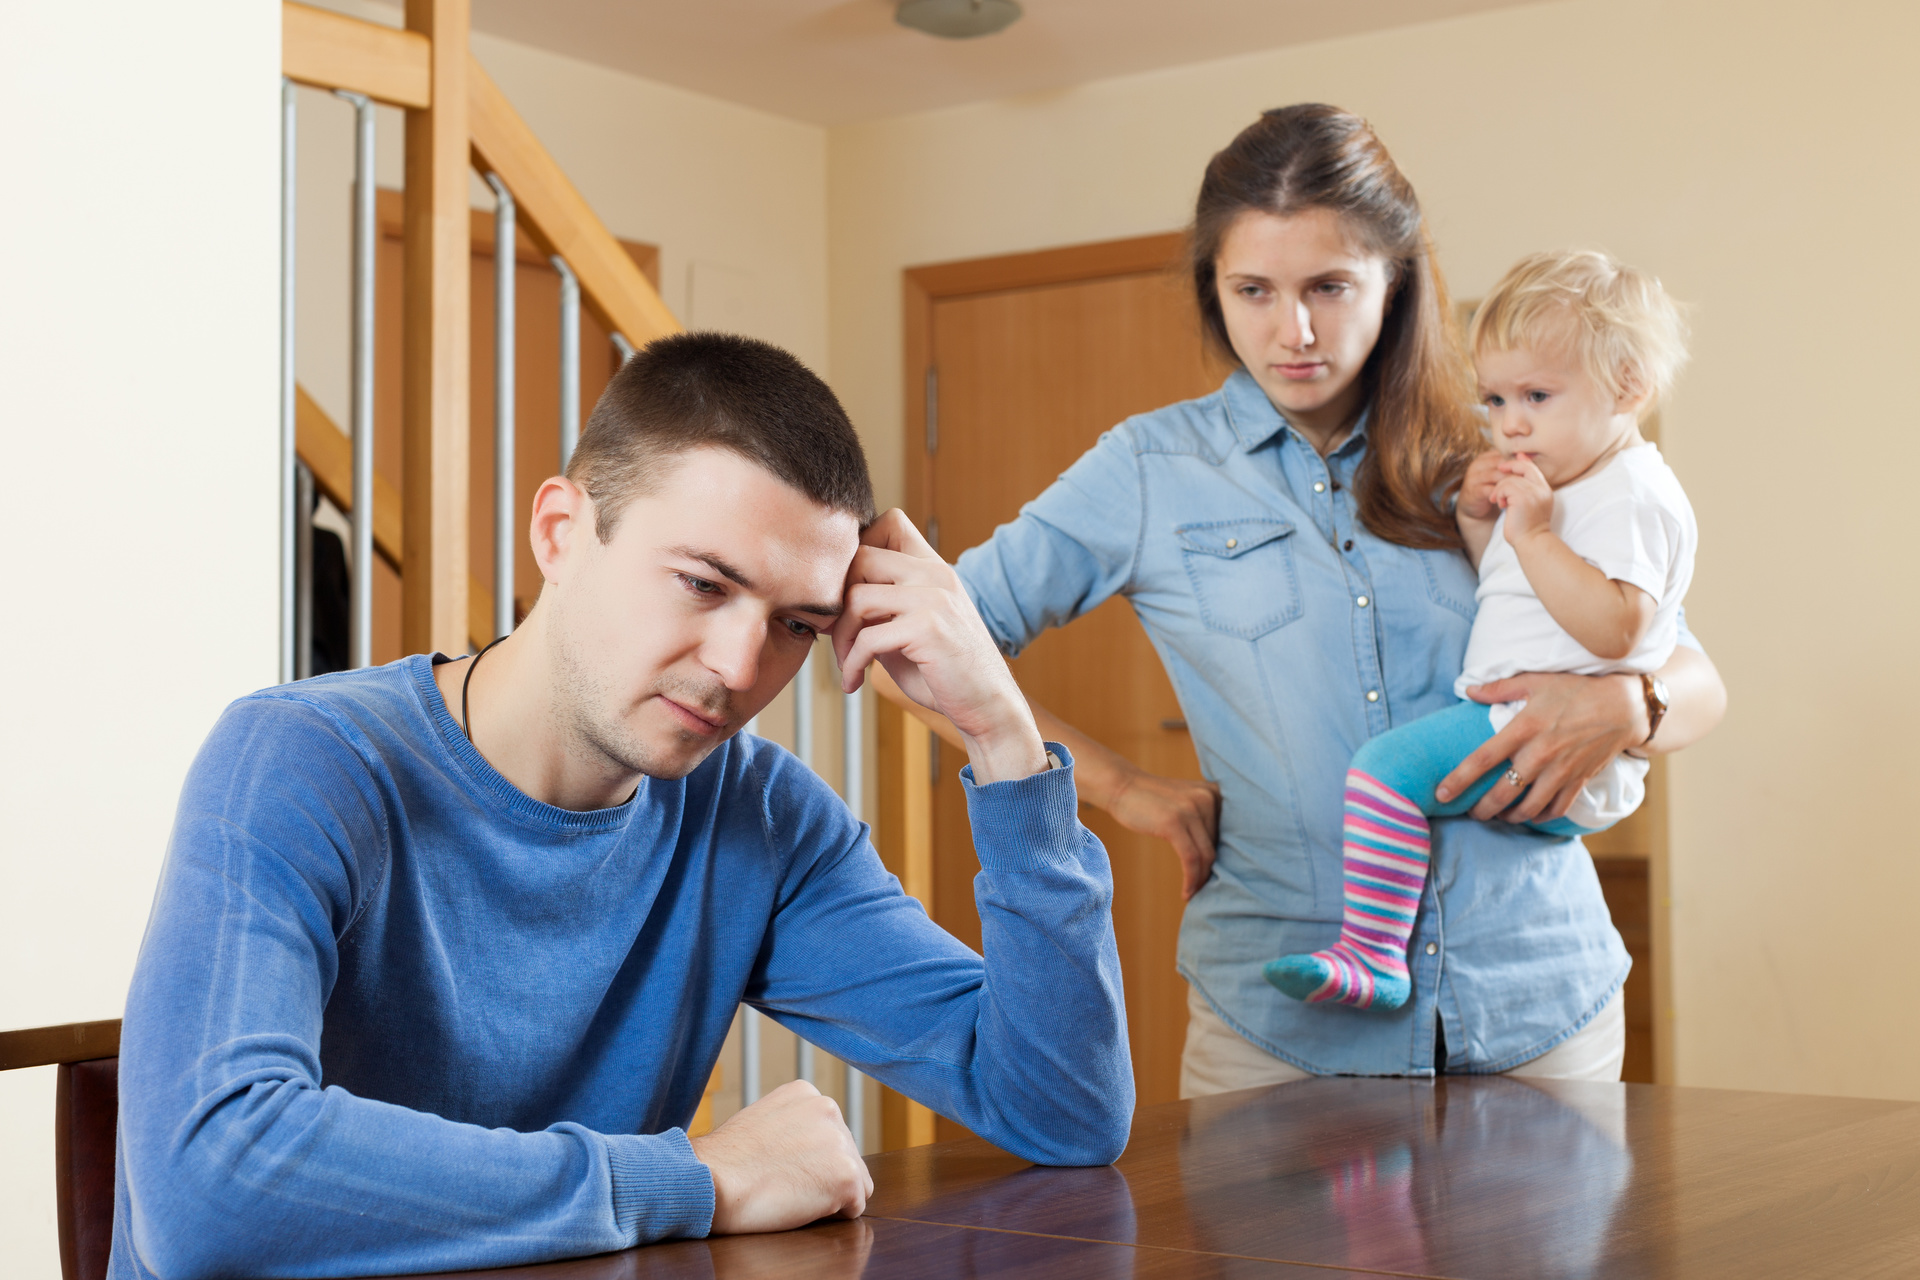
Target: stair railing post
<point>750,1020</point>
<point>365,245</point>
<point>569,359</point>
<point>804,1064</point>
<point>289,445</point>
<point>853,789</point>
<point>303,572</point>
<point>504,255</point>
<point>435,429</point>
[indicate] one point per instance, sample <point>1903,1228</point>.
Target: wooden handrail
<point>558,218</point>
<point>328,453</point>
<point>884,686</point>
<point>332,51</point>
<point>51,1046</point>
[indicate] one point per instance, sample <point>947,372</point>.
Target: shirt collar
<point>1255,421</point>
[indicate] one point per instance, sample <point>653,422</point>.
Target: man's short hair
<point>722,391</point>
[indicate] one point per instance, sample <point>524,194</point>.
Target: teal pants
<point>1413,758</point>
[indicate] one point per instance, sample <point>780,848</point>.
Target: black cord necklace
<point>466,726</point>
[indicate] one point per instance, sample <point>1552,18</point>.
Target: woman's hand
<point>1568,731</point>
<point>1185,814</point>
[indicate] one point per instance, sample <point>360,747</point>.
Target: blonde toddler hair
<point>1628,334</point>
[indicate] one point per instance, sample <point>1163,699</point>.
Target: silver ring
<point>1515,778</point>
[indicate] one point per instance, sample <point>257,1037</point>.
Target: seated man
<point>444,951</point>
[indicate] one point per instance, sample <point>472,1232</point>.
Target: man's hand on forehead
<point>906,609</point>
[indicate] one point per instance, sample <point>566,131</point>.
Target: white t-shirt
<point>1632,521</point>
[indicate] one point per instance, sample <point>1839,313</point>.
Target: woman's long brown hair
<point>1421,430</point>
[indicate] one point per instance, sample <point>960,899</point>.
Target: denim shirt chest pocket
<point>1243,575</point>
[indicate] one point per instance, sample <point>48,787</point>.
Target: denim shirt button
<point>1373,695</point>
<point>1433,948</point>
<point>1319,487</point>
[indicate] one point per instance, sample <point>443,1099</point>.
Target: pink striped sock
<point>1388,845</point>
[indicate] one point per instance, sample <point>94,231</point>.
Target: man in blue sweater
<point>444,951</point>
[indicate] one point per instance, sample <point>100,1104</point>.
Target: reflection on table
<point>1482,1177</point>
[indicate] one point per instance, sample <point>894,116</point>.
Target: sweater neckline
<point>489,781</point>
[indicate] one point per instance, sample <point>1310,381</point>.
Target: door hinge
<point>933,409</point>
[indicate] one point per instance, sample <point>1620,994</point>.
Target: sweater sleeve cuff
<point>1029,823</point>
<point>660,1188</point>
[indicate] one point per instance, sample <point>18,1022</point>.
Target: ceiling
<point>832,61</point>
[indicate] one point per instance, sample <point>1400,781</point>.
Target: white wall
<point>138,492</point>
<point>1760,158</point>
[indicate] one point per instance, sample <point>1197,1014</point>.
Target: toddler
<point>1584,542</point>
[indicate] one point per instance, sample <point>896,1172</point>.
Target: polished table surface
<point>1483,1177</point>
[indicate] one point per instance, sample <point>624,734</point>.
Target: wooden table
<point>1482,1177</point>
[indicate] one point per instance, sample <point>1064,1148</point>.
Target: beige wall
<point>138,492</point>
<point>1759,157</point>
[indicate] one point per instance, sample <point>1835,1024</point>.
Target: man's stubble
<point>596,721</point>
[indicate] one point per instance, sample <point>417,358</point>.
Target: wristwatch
<point>1656,690</point>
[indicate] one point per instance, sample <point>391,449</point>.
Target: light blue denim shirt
<point>1292,635</point>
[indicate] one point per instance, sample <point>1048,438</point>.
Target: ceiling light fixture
<point>957,19</point>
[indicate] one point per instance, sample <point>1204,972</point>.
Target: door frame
<point>922,287</point>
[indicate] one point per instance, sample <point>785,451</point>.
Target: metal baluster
<point>625,347</point>
<point>504,254</point>
<point>804,1064</point>
<point>750,1022</point>
<point>803,712</point>
<point>289,445</point>
<point>853,789</point>
<point>749,1056</point>
<point>365,244</point>
<point>303,572</point>
<point>569,359</point>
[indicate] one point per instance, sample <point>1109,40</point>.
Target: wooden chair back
<point>86,1109</point>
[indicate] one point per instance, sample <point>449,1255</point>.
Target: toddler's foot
<point>1341,975</point>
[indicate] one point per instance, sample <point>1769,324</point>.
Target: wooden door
<point>1028,368</point>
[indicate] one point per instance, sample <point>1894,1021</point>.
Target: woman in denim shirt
<point>1288,544</point>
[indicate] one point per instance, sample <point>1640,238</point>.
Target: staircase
<point>455,597</point>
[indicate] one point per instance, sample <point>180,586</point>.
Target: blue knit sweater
<point>393,1015</point>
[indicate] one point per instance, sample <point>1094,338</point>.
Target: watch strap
<point>1655,691</point>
